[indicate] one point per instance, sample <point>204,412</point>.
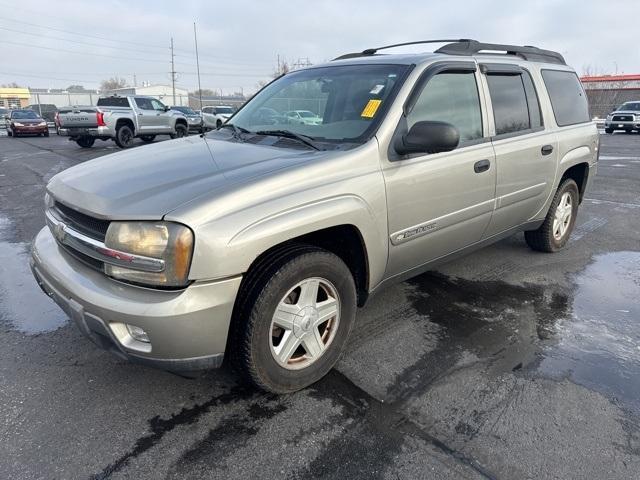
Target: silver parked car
<point>257,242</point>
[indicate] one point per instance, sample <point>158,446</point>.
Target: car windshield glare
<point>24,115</point>
<point>347,102</point>
<point>632,106</point>
<point>185,110</point>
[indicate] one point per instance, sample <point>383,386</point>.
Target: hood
<point>147,182</point>
<point>626,112</point>
<point>28,121</point>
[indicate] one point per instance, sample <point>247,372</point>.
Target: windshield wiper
<point>236,130</point>
<point>289,134</point>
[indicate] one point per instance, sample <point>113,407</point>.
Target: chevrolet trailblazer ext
<point>258,241</point>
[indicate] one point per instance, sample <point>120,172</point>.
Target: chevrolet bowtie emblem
<point>59,232</point>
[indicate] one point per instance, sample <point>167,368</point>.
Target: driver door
<point>440,203</point>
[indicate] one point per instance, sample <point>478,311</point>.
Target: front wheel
<point>124,136</point>
<point>181,131</point>
<point>554,233</point>
<point>9,133</point>
<point>292,319</point>
<point>608,130</point>
<point>85,142</point>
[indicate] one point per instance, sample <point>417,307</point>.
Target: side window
<point>568,99</point>
<point>144,103</point>
<point>509,100</point>
<point>453,98</point>
<point>157,105</point>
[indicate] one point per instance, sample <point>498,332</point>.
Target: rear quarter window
<point>568,98</point>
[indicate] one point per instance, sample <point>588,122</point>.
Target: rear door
<point>526,151</point>
<point>439,203</point>
<point>148,120</point>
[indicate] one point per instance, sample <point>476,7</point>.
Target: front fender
<point>242,248</point>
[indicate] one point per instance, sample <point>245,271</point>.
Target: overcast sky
<point>239,40</point>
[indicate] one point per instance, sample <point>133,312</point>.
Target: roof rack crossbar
<point>373,51</point>
<point>465,46</point>
<point>471,47</point>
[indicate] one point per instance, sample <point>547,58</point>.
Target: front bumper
<point>610,124</point>
<point>101,132</point>
<point>31,130</point>
<point>187,329</point>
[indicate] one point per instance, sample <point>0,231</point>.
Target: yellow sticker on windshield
<point>371,108</point>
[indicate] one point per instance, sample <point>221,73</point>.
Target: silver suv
<point>258,242</point>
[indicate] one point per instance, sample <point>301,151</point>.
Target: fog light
<point>138,334</point>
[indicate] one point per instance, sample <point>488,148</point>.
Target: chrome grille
<point>623,118</point>
<point>90,226</point>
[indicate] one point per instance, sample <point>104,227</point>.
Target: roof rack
<point>373,51</point>
<point>465,46</point>
<point>471,47</point>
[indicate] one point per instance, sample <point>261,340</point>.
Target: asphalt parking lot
<point>505,364</point>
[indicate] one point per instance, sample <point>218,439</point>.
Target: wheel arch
<point>126,121</point>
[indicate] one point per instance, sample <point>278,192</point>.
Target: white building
<point>164,93</point>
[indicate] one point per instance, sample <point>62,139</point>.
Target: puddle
<point>598,346</point>
<point>22,303</point>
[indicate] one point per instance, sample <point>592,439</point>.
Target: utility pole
<point>195,38</point>
<point>173,72</point>
<point>135,81</point>
<point>278,64</point>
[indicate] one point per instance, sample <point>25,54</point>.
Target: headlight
<point>48,201</point>
<point>609,117</point>
<point>18,124</point>
<point>42,124</point>
<point>170,242</point>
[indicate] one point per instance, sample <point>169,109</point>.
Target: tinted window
<point>568,99</point>
<point>451,98</point>
<point>24,115</point>
<point>630,106</point>
<point>144,103</point>
<point>509,100</point>
<point>113,102</point>
<point>157,105</point>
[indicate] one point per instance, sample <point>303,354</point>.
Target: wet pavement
<point>504,364</point>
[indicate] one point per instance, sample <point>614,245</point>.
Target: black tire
<point>46,134</point>
<point>124,136</point>
<point>608,130</point>
<point>86,142</point>
<point>218,123</point>
<point>543,239</point>
<point>147,138</point>
<point>181,131</point>
<point>9,133</point>
<point>263,288</point>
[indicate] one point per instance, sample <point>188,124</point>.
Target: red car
<point>26,122</point>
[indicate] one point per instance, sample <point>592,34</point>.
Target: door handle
<point>140,114</point>
<point>481,166</point>
<point>547,149</point>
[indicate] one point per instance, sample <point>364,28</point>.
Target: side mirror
<point>167,108</point>
<point>428,137</point>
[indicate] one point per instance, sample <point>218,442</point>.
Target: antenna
<point>195,38</point>
<point>173,74</point>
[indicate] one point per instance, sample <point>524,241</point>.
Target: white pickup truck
<point>121,119</point>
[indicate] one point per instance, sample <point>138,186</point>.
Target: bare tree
<point>206,92</point>
<point>604,95</point>
<point>113,83</point>
<point>10,85</point>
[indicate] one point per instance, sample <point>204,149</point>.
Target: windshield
<point>185,110</point>
<point>350,101</point>
<point>24,114</point>
<point>635,106</point>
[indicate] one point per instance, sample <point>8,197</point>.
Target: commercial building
<point>14,97</point>
<point>606,92</point>
<point>164,93</point>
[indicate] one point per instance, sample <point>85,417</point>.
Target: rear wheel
<point>554,233</point>
<point>124,136</point>
<point>292,319</point>
<point>86,142</point>
<point>608,130</point>
<point>147,138</point>
<point>218,123</point>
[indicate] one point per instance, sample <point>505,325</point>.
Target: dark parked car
<point>45,110</point>
<point>193,119</point>
<point>26,122</point>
